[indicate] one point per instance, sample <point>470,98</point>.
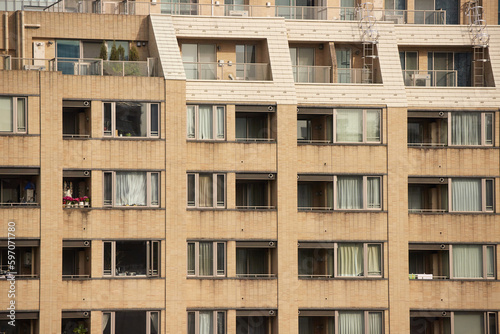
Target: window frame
<point>335,247</point>
<point>364,130</point>
<point>483,129</point>
<point>215,253</point>
<point>148,320</point>
<point>215,314</point>
<point>15,126</point>
<point>484,262</point>
<point>149,203</point>
<point>150,267</point>
<point>215,188</point>
<point>215,123</point>
<point>149,119</point>
<point>451,315</point>
<point>484,199</point>
<point>365,193</point>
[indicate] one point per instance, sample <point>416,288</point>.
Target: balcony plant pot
<point>81,204</point>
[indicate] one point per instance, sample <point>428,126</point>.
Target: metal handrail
<point>255,207</point>
<point>255,275</point>
<point>426,210</point>
<point>315,208</point>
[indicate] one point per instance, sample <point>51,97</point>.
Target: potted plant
<point>86,201</point>
<point>67,201</point>
<point>80,329</point>
<point>75,202</point>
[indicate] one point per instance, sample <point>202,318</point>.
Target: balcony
<point>26,256</point>
<point>227,71</point>
<point>76,189</point>
<point>256,191</point>
<point>312,74</point>
<point>430,78</point>
<point>76,119</point>
<point>82,66</point>
<point>256,259</point>
<point>18,187</point>
<point>76,259</point>
<point>255,124</point>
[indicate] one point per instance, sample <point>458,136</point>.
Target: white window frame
<point>215,272</point>
<point>149,202</point>
<point>148,320</point>
<point>483,194</point>
<point>365,259</point>
<point>215,313</point>
<point>214,189</point>
<point>15,126</point>
<point>149,133</point>
<point>484,263</point>
<point>365,193</point>
<point>364,130</point>
<point>151,271</point>
<point>215,123</point>
<point>483,130</point>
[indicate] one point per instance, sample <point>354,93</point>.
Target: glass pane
<point>205,122</point>
<point>191,323</point>
<point>351,323</point>
<point>303,132</point>
<point>375,322</point>
<point>107,120</point>
<point>220,259</point>
<point>350,192</point>
<point>131,188</point>
<point>107,258</point>
<point>154,120</point>
<point>206,259</point>
<point>155,261</point>
<point>206,323</point>
<point>220,190</point>
<point>489,195</point>
<point>108,192</point>
<point>191,190</point>
<point>131,119</point>
<point>6,114</point>
<point>373,192</point>
<point>465,128</point>
<point>131,258</point>
<point>241,128</point>
<point>66,52</point>
<point>155,323</point>
<point>411,60</point>
<point>373,126</point>
<point>130,322</point>
<point>106,323</point>
<point>191,121</point>
<point>241,261</point>
<point>469,323</point>
<point>191,259</point>
<point>488,119</point>
<point>467,261</point>
<point>154,188</point>
<point>490,261</point>
<point>205,192</point>
<point>492,323</point>
<point>21,115</point>
<point>350,259</point>
<point>350,126</point>
<point>221,323</point>
<point>220,123</point>
<point>466,195</point>
<point>374,260</point>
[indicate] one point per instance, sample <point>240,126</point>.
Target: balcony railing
<point>227,71</point>
<point>354,76</point>
<point>255,275</point>
<point>430,78</point>
<point>19,205</point>
<point>315,208</point>
<point>82,66</point>
<point>311,74</point>
<point>255,207</point>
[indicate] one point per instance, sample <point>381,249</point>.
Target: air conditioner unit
<point>397,19</point>
<point>238,13</point>
<point>34,67</point>
<point>421,79</point>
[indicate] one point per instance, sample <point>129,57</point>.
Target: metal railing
<point>227,71</point>
<point>427,210</point>
<point>82,66</point>
<point>315,208</point>
<point>75,276</point>
<point>430,78</point>
<point>354,76</point>
<point>255,207</point>
<point>257,140</point>
<point>311,74</point>
<point>427,144</point>
<point>316,276</point>
<point>255,275</point>
<point>17,205</point>
<point>70,135</point>
<point>314,141</point>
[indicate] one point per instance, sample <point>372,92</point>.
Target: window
<point>131,258</point>
<point>206,122</point>
<point>458,128</point>
<point>200,61</point>
<point>453,322</point>
<point>409,65</point>
<point>330,259</point>
<point>252,126</point>
<point>255,259</point>
<point>137,322</point>
<point>206,322</point>
<point>253,324</point>
<point>472,194</point>
<point>26,322</point>
<point>76,259</point>
<point>26,255</point>
<point>73,319</point>
<point>245,62</point>
<point>450,69</point>
<point>315,125</point>
<point>206,258</point>
<point>341,322</point>
<point>131,119</point>
<point>131,188</point>
<point>461,261</point>
<point>13,114</point>
<point>206,190</point>
<point>303,64</point>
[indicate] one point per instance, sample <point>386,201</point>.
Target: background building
<point>264,167</point>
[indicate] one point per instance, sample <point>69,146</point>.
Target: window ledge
<point>346,278</point>
<point>342,211</point>
<point>480,279</point>
<point>484,147</point>
<point>14,134</point>
<point>232,278</point>
<point>20,206</point>
<point>128,208</point>
<point>341,144</point>
<point>127,278</point>
<point>127,138</point>
<point>453,213</point>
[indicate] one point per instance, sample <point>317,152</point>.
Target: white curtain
<point>374,263</point>
<point>350,192</point>
<point>154,188</point>
<point>350,259</point>
<point>465,128</point>
<point>220,122</point>
<point>105,320</point>
<point>467,261</point>
<point>206,326</point>
<point>351,323</point>
<point>469,323</point>
<point>466,195</point>
<point>375,322</point>
<point>190,121</point>
<point>373,192</point>
<point>131,188</point>
<point>5,114</point>
<point>154,322</point>
<point>205,122</point>
<point>206,259</point>
<point>350,125</point>
<point>206,193</point>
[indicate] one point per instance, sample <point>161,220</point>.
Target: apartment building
<point>250,167</point>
